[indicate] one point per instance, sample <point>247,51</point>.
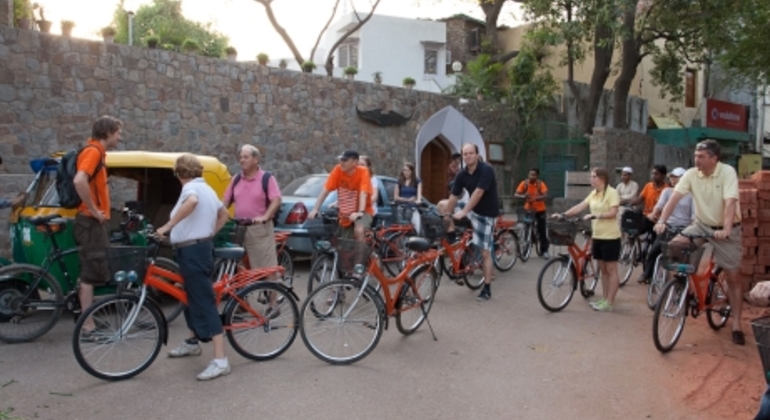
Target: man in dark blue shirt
<point>483,206</point>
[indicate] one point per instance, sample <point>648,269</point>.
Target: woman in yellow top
<point>602,204</point>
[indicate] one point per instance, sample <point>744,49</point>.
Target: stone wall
<point>613,148</point>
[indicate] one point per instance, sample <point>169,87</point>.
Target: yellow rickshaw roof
<point>140,159</point>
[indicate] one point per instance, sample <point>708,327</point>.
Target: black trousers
<point>541,231</point>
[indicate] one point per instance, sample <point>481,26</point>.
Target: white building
<point>395,47</point>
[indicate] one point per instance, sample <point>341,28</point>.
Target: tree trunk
<point>631,58</point>
<point>281,31</point>
<point>491,9</point>
<point>603,51</point>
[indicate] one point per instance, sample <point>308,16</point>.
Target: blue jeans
<point>764,406</point>
<point>196,263</point>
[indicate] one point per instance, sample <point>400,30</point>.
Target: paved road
<point>502,359</point>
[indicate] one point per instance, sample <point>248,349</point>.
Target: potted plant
<point>351,72</point>
<point>262,58</point>
<point>152,41</point>
<point>108,33</point>
<point>66,27</point>
<point>232,53</point>
<point>43,24</point>
<point>377,77</point>
<point>190,46</point>
<point>308,66</point>
<point>409,82</point>
<point>22,14</point>
<point>283,64</point>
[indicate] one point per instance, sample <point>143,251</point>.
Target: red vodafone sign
<point>726,115</point>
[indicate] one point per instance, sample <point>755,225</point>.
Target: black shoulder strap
<point>265,180</point>
<point>236,180</point>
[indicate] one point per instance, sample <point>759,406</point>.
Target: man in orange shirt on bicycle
<point>534,191</point>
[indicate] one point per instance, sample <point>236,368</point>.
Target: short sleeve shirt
<point>600,203</point>
<point>349,188</point>
<point>250,200</point>
<point>88,160</point>
<point>710,193</point>
<point>484,178</point>
<point>628,191</point>
<point>535,189</point>
<point>201,222</point>
<point>683,213</point>
<point>651,195</point>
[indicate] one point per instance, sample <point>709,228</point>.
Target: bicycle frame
<point>579,255</point>
<point>455,251</point>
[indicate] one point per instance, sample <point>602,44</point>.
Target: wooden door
<point>433,165</point>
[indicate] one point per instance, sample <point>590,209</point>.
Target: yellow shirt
<point>710,193</point>
<point>601,203</point>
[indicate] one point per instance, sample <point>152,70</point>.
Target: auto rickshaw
<point>144,180</point>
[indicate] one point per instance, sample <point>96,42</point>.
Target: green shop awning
<point>688,137</point>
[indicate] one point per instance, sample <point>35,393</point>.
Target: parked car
<point>299,197</point>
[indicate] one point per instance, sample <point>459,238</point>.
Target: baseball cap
<point>627,169</point>
<point>678,172</point>
<point>348,154</point>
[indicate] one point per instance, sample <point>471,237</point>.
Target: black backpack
<point>65,179</point>
<point>265,180</point>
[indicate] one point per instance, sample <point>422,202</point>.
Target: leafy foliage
<point>164,18</point>
<point>481,77</point>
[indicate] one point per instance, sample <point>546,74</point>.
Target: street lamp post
<point>130,28</point>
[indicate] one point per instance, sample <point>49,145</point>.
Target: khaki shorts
<point>728,252</point>
<point>92,238</point>
<point>349,232</point>
<point>259,242</point>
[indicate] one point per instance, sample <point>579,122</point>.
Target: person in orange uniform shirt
<point>649,197</point>
<point>534,191</point>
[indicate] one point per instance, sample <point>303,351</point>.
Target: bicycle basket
<point>525,216</point>
<point>322,235</point>
<point>562,233</point>
<point>127,259</point>
<point>761,328</point>
<point>352,253</point>
<point>682,257</point>
<point>433,227</point>
<point>631,222</point>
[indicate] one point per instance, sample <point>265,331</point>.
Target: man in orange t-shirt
<point>90,229</point>
<point>354,196</point>
<point>650,195</point>
<point>534,191</point>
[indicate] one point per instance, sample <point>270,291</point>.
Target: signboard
<point>726,115</point>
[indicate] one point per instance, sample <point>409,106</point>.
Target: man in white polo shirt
<point>714,189</point>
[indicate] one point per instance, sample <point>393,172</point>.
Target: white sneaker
<point>214,371</point>
<point>186,349</point>
<point>546,256</point>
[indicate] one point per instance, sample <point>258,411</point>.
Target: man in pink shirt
<point>247,193</point>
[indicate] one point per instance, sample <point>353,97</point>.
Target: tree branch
<point>281,31</point>
<point>317,41</point>
<point>329,66</point>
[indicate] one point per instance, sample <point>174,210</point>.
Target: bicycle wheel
<point>591,277</point>
<point>352,324</point>
<point>656,284</point>
<point>322,271</point>
<point>629,253</point>
<point>535,241</point>
<point>25,319</point>
<point>718,305</point>
<point>473,263</point>
<point>285,261</point>
<point>416,299</point>
<point>670,314</point>
<point>525,242</point>
<point>506,250</point>
<point>556,284</point>
<point>126,341</point>
<point>169,305</point>
<point>268,335</point>
<point>392,253</point>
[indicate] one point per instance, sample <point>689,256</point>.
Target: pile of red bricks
<point>755,222</point>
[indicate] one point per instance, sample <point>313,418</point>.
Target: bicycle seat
<point>234,253</point>
<point>417,244</point>
<point>46,220</point>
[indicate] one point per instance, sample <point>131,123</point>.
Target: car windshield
<point>307,186</point>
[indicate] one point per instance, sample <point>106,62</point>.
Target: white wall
<point>393,46</point>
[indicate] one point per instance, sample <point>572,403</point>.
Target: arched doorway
<point>433,162</point>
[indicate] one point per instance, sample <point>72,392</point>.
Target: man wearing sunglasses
<point>714,189</point>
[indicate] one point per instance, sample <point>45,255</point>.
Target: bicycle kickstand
<point>427,320</point>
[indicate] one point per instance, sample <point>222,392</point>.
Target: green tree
<point>164,18</point>
<point>742,41</point>
<point>481,77</point>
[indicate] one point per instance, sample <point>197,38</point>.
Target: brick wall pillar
<point>6,12</point>
<point>613,148</point>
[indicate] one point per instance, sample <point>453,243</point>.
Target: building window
<point>347,54</point>
<point>689,88</point>
<point>448,62</point>
<point>474,40</point>
<point>431,61</point>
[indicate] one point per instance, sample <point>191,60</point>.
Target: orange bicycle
<point>506,244</point>
<point>688,291</point>
<point>560,277</point>
<point>343,320</point>
<point>282,252</point>
<point>130,328</point>
<point>462,260</point>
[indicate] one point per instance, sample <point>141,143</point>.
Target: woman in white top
<point>196,217</point>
